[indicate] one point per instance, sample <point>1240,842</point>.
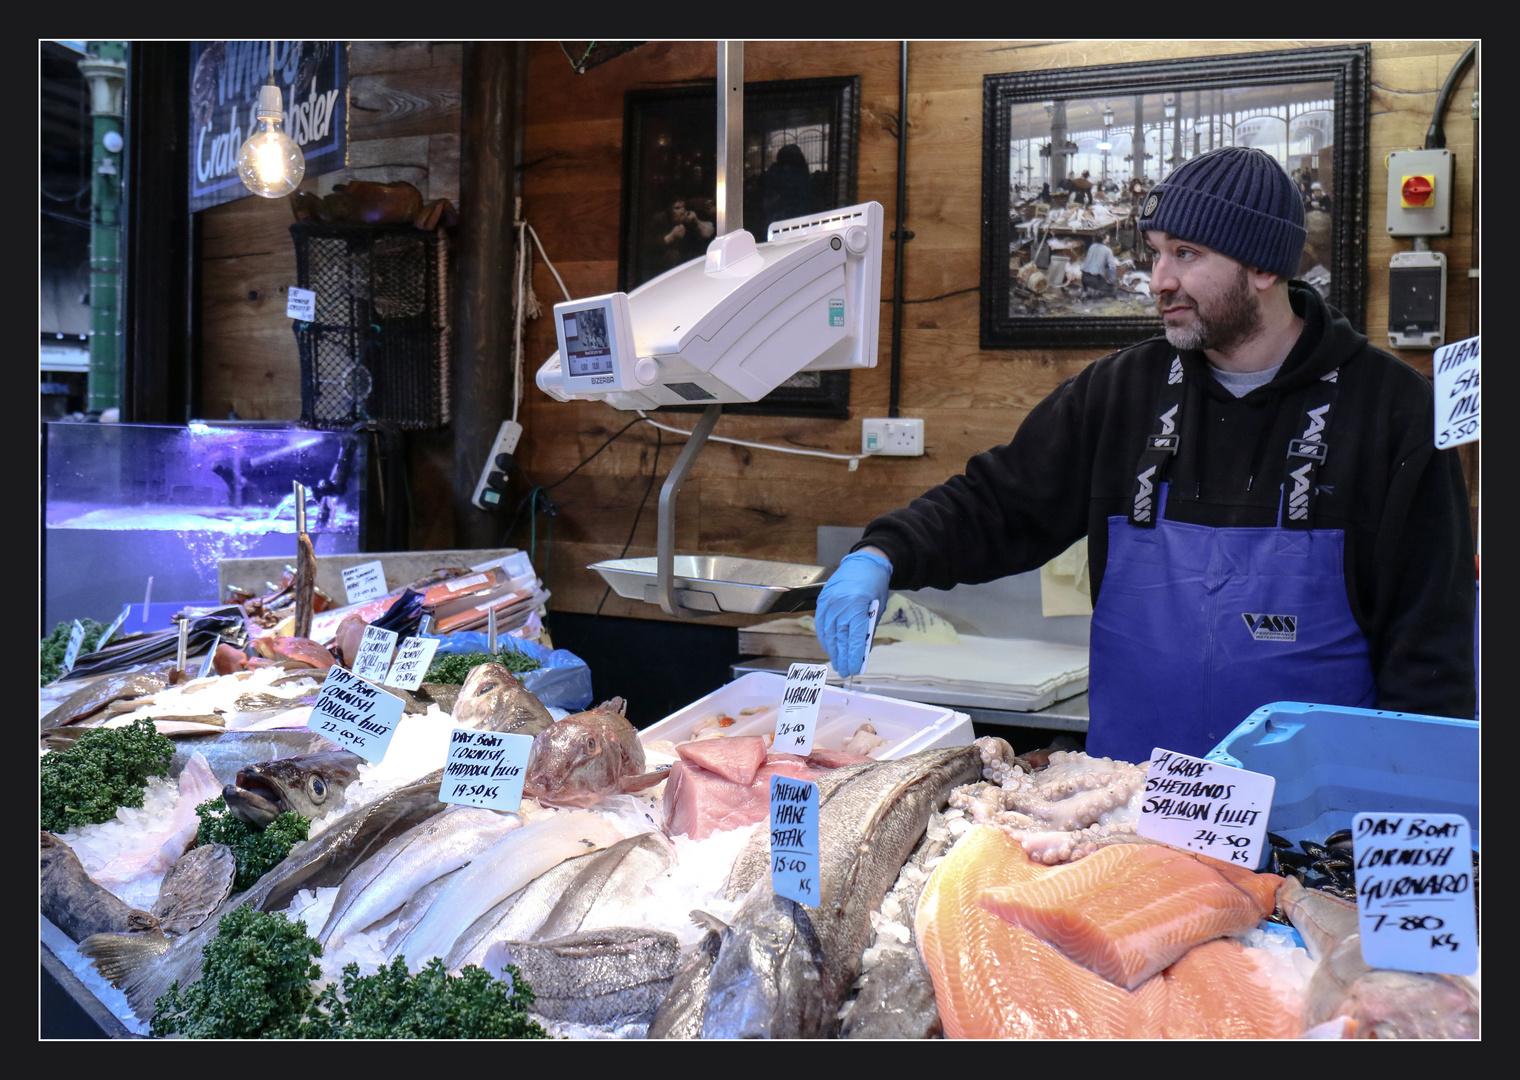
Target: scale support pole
<point>665,557</point>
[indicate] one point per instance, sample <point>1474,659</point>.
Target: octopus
<point>1061,810</point>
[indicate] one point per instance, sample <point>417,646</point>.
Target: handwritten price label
<point>364,582</point>
<point>794,839</point>
<point>799,708</point>
<point>355,714</point>
<point>1458,368</point>
<point>1414,892</point>
<point>412,662</point>
<point>485,768</point>
<point>1216,810</point>
<point>300,304</point>
<point>373,659</point>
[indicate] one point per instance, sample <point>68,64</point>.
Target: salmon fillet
<point>995,980</point>
<point>1219,991</point>
<point>1128,911</point>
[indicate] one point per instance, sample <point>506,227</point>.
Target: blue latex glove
<point>842,620</point>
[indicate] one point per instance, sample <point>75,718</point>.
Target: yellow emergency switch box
<point>1419,192</point>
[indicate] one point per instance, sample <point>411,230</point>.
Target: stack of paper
<point>1021,673</point>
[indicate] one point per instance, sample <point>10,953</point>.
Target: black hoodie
<point>1401,503</point>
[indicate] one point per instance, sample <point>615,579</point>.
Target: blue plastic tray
<point>1332,763</point>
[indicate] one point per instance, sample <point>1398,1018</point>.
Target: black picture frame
<point>1324,96</point>
<point>670,141</point>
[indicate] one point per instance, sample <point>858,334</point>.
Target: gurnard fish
<point>1368,1002</point>
<point>143,965</point>
<point>311,785</point>
<point>493,699</point>
<point>587,756</point>
<point>784,969</point>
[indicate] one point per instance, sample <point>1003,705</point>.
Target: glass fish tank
<point>123,503</point>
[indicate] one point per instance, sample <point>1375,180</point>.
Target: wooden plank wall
<point>405,124</point>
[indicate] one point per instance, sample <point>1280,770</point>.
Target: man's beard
<point>1225,323</point>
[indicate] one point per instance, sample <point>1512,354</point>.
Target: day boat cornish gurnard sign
<point>224,97</point>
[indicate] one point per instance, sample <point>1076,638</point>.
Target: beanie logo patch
<point>1150,205</point>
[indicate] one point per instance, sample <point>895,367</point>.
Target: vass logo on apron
<point>1271,627</point>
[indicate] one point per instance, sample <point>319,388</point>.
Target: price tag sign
<point>1203,806</point>
<point>873,610</point>
<point>301,304</point>
<point>76,639</point>
<point>412,662</point>
<point>373,660</point>
<point>794,839</point>
<point>1457,369</point>
<point>485,768</point>
<point>115,626</point>
<point>355,714</point>
<point>364,582</point>
<point>1414,893</point>
<point>799,708</point>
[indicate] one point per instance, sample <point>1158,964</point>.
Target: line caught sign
<point>224,98</point>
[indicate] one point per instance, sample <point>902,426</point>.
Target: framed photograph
<point>801,149</point>
<point>1068,156</point>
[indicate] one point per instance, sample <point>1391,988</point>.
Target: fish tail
<point>129,963</point>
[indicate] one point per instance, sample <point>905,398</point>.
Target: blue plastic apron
<point>1196,627</point>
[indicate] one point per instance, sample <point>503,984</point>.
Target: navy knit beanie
<point>1237,201</point>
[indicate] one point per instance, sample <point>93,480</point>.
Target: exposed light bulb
<point>269,162</point>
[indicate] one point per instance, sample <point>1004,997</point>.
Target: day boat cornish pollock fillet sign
<point>224,97</point>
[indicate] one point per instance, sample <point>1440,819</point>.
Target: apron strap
<point>1160,449</point>
<point>1307,452</point>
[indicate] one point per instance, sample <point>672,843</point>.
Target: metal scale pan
<point>719,584</point>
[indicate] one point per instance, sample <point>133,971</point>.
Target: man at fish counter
<point>1267,516</point>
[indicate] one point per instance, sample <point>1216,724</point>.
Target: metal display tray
<point>719,584</point>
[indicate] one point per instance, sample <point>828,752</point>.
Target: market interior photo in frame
<point>1069,155</point>
<point>801,147</point>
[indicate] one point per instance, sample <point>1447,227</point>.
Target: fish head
<point>493,699</point>
<point>578,761</point>
<point>308,784</point>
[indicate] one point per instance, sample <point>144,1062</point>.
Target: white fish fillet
<point>496,873</point>
<point>157,851</point>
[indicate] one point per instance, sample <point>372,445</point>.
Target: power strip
<point>487,497</point>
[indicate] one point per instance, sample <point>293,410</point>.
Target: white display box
<point>908,726</point>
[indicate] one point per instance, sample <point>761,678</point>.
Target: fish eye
<point>591,743</point>
<point>318,788</point>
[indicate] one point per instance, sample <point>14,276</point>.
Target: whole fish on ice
<point>1372,1003</point>
<point>311,785</point>
<point>587,756</point>
<point>493,699</point>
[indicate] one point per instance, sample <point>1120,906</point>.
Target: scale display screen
<point>588,343</point>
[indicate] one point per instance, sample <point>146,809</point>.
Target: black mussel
<point>1315,878</point>
<point>1314,850</point>
<point>1286,861</point>
<point>1278,841</point>
<point>1339,838</point>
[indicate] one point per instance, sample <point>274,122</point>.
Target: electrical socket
<point>900,437</point>
<point>486,497</point>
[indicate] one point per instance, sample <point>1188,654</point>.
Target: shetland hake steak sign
<point>224,101</point>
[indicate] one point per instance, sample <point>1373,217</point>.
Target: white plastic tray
<point>908,726</point>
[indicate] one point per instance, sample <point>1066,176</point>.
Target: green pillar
<point>105,69</point>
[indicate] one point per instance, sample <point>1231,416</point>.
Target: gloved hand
<point>842,620</point>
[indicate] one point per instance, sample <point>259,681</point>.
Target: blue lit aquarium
<point>125,502</point>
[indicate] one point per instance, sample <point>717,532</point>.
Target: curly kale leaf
<point>53,647</point>
<point>255,851</point>
<point>106,768</point>
<point>430,1004</point>
<point>456,667</point>
<point>255,982</point>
